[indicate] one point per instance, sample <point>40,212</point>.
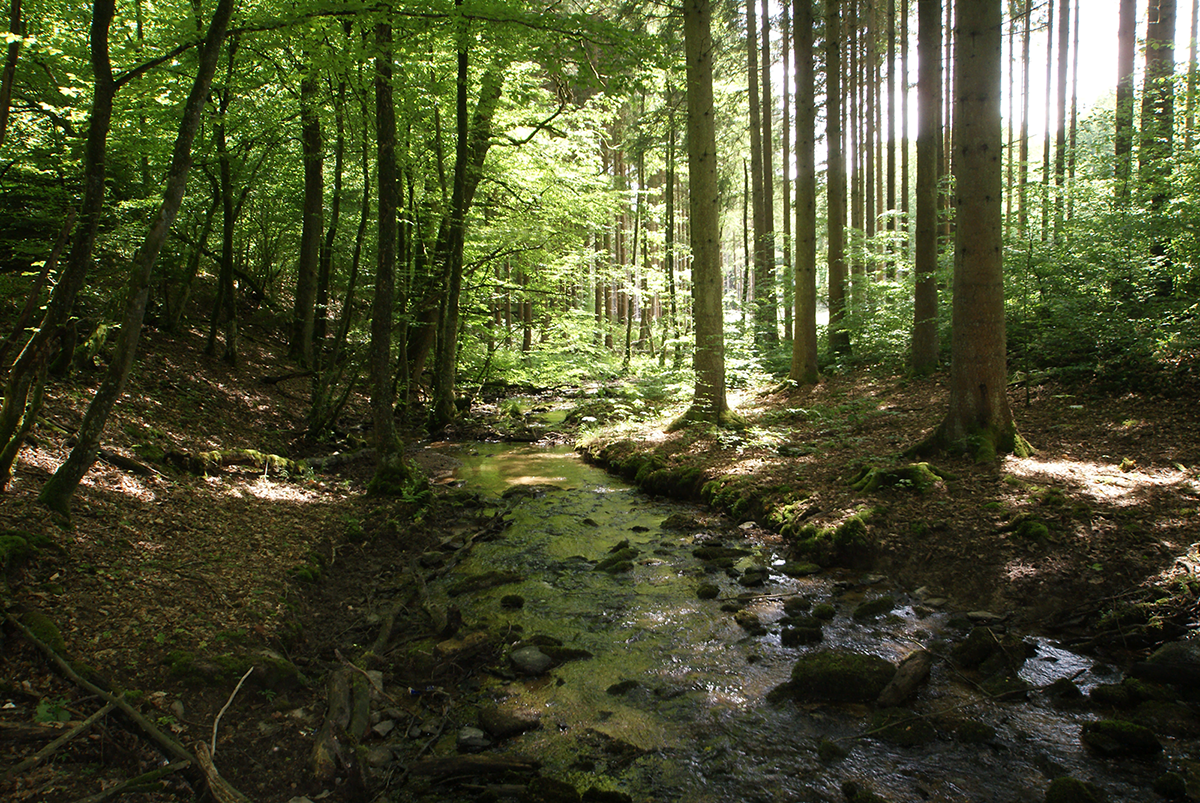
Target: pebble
<point>530,661</point>
<point>472,740</point>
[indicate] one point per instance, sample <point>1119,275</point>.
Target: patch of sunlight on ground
<point>270,490</point>
<point>1103,482</point>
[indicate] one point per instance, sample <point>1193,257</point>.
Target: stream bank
<point>615,646</point>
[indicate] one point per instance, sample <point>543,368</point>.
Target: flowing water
<point>691,721</point>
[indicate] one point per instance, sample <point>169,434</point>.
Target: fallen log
<point>910,674</point>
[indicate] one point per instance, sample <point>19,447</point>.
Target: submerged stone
<point>530,661</point>
<point>1070,790</point>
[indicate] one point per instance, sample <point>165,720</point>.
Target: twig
<point>153,775</point>
<point>374,683</point>
<point>45,752</point>
<point>228,702</point>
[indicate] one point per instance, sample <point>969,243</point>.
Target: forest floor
<point>167,584</point>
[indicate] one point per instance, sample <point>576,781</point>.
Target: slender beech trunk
<point>58,490</point>
<point>9,74</point>
<point>1023,167</point>
<point>312,225</point>
<point>23,387</point>
<point>757,196</point>
<point>1189,127</point>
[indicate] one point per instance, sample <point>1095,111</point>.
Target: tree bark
<point>979,419</point>
<point>387,446</point>
<point>929,139</point>
<point>758,237</point>
<point>1123,123</point>
<point>1060,117</point>
<point>804,335</point>
<point>766,306</point>
<point>57,492</point>
<point>708,403</point>
<point>839,336</point>
<point>26,376</point>
<point>15,28</point>
<point>304,311</point>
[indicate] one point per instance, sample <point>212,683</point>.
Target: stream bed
<point>673,703</point>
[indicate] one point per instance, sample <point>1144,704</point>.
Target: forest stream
<point>661,695</point>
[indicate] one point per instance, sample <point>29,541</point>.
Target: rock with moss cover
<point>1115,738</point>
<point>1070,790</point>
<point>839,677</point>
<point>1176,662</point>
<point>869,609</point>
<point>848,545</point>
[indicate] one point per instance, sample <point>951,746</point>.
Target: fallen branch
<point>221,713</point>
<point>50,749</point>
<point>473,766</point>
<point>133,783</point>
<point>220,788</point>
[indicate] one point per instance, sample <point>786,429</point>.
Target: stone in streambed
<point>501,722</point>
<point>530,661</point>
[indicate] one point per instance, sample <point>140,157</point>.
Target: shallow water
<point>697,726</point>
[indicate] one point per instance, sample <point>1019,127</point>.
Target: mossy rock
<point>840,677</point>
<point>44,630</point>
<point>619,561</point>
<point>869,609</point>
<point>17,546</point>
<point>855,793</point>
<point>474,583</point>
<point>1171,785</point>
<point>1028,527</point>
<point>989,652</point>
<point>797,635</point>
<point>848,545</point>
<point>1070,790</point>
<point>680,522</point>
<point>200,671</point>
<point>749,621</point>
<point>915,477</point>
<point>275,673</point>
<point>793,606</point>
<point>901,727</point>
<point>708,591</point>
<point>795,568</point>
<point>824,611</point>
<point>1116,738</point>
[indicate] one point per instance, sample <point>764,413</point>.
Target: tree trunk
<point>839,336</point>
<point>786,281</point>
<point>325,263</point>
<point>57,492</point>
<point>1123,123</point>
<point>1023,167</point>
<point>15,27</point>
<point>804,336</point>
<point>1060,117</point>
<point>979,418</point>
<point>1046,132</point>
<point>758,198</point>
<point>1189,127</point>
<point>708,403</point>
<point>890,255</point>
<point>764,282</point>
<point>929,139</point>
<point>27,373</point>
<point>303,316</point>
<point>387,446</point>
<point>474,136</point>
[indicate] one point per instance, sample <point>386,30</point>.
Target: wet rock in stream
<point>530,661</point>
<point>502,722</point>
<point>1115,738</point>
<point>838,677</point>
